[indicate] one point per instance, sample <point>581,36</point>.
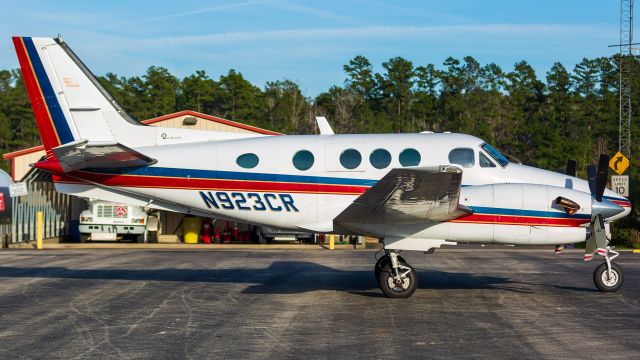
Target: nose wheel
<point>608,276</point>
<point>397,279</point>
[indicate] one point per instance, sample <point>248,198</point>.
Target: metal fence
<point>58,209</point>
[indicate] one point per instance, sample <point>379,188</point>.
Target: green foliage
<point>572,114</point>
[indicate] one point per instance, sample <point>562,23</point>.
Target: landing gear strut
<point>397,279</point>
<point>608,276</point>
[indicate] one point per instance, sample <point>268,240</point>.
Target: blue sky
<point>309,41</point>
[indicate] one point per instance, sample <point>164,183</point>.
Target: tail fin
<point>68,101</point>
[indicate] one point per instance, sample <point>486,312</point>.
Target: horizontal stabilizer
<point>98,155</point>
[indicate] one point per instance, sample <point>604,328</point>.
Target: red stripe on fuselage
<point>520,220</point>
<point>44,121</point>
<point>139,181</point>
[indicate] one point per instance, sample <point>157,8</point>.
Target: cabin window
<point>409,157</point>
<point>485,162</point>
<point>495,154</point>
<point>380,158</point>
<point>303,160</point>
<point>462,156</point>
<point>350,159</point>
<point>248,161</point>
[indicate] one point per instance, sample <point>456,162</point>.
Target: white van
<point>112,221</point>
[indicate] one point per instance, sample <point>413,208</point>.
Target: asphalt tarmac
<point>77,304</point>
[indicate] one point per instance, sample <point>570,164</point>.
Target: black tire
<point>382,262</point>
<point>394,290</point>
<point>601,281</point>
<point>84,238</point>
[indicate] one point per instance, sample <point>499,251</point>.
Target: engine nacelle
<point>524,214</point>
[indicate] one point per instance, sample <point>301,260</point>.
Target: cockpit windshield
<point>495,154</point>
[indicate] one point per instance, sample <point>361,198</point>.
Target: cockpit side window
<point>495,154</point>
<point>485,162</point>
<point>462,156</point>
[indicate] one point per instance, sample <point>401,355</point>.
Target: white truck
<point>112,221</point>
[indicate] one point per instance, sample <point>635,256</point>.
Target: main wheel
<point>382,262</point>
<point>607,283</point>
<point>398,288</point>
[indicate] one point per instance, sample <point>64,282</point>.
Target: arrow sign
<point>619,163</point>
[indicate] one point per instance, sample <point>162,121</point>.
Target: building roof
<point>211,118</point>
<point>14,154</point>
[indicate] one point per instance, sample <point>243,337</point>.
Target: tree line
<point>541,121</point>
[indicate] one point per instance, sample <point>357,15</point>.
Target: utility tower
<point>625,69</point>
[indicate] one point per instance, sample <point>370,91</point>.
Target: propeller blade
<point>591,178</point>
<point>601,176</point>
<point>571,168</point>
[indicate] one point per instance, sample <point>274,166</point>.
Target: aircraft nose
<point>606,208</point>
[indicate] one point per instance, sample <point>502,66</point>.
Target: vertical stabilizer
<point>68,101</point>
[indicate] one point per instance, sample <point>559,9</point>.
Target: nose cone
<point>607,208</point>
<point>618,200</point>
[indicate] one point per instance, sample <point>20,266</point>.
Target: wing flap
<point>409,196</point>
<point>98,155</point>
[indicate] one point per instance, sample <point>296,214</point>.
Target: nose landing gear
<point>608,276</point>
<point>397,279</point>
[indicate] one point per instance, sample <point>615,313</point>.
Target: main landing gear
<point>608,276</point>
<point>397,279</point>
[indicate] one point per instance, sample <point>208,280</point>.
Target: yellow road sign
<point>619,163</point>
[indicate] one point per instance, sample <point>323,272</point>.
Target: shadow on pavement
<point>282,277</point>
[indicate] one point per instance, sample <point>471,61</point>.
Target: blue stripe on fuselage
<point>59,121</point>
<point>532,213</point>
<point>234,175</point>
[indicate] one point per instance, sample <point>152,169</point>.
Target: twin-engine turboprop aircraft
<point>414,191</point>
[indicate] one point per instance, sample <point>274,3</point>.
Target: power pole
<point>625,69</point>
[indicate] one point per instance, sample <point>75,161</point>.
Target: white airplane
<point>416,192</point>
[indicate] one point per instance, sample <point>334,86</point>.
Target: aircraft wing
<point>98,155</point>
<point>409,196</point>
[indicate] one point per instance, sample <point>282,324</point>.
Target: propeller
<point>571,168</point>
<point>600,179</point>
<point>601,209</point>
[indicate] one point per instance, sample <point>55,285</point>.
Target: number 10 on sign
<point>620,184</point>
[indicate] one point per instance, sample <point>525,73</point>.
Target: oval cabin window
<point>409,157</point>
<point>248,161</point>
<point>380,158</point>
<point>303,160</point>
<point>350,159</point>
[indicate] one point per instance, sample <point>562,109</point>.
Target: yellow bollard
<point>332,242</point>
<point>39,229</point>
